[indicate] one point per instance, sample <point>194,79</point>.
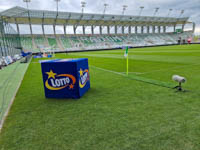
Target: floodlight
<point>156,10</point>
<point>57,1</point>
<point>105,5</point>
<point>170,10</point>
<point>182,11</point>
<point>83,5</point>
<point>180,80</point>
<point>141,8</point>
<point>124,8</point>
<point>27,1</point>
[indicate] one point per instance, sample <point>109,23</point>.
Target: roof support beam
<point>174,28</point>
<point>164,29</point>
<point>194,26</point>
<point>148,29</point>
<point>129,29</point>
<point>74,28</point>
<point>159,29</point>
<point>67,19</point>
<point>122,29</point>
<point>54,30</point>
<point>17,25</point>
<point>100,29</point>
<point>108,29</point>
<point>30,27</point>
<point>43,25</point>
<point>29,19</point>
<point>154,29</point>
<point>115,29</point>
<point>92,30</point>
<point>183,26</point>
<point>54,25</point>
<point>142,29</point>
<point>78,22</point>
<point>64,27</point>
<point>136,29</point>
<point>43,30</point>
<point>83,29</point>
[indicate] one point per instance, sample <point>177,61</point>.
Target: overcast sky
<point>191,7</point>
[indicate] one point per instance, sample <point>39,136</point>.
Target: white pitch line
<point>134,72</point>
<point>153,51</point>
<point>109,71</point>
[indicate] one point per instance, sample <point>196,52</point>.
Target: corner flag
<point>126,52</point>
<point>126,56</point>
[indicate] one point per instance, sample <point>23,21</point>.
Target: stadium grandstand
<point>99,80</point>
<point>10,44</point>
<point>132,31</point>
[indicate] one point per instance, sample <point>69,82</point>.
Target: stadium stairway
<point>34,45</point>
<point>59,43</point>
<point>46,42</point>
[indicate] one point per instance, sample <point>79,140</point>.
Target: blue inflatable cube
<point>65,78</point>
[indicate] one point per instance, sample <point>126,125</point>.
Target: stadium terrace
<point>132,31</point>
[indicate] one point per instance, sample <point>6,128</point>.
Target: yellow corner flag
<point>126,56</point>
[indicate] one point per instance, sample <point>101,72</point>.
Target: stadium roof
<point>21,16</point>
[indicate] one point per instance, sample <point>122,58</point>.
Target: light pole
<point>54,26</point>
<point>124,8</point>
<point>182,11</point>
<point>57,1</point>
<point>29,18</point>
<point>141,9</point>
<point>83,6</point>
<point>156,10</point>
<point>104,11</point>
<point>170,10</point>
<point>27,1</point>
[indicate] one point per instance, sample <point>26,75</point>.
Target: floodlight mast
<point>57,1</point>
<point>156,11</point>
<point>27,1</point>
<point>170,10</point>
<point>124,8</point>
<point>54,26</point>
<point>141,9</point>
<point>182,12</point>
<point>105,6</point>
<point>83,6</point>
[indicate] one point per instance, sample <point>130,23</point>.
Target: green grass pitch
<point>119,112</point>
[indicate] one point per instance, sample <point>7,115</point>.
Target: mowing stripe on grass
<point>152,51</point>
<point>10,85</point>
<point>141,79</point>
<point>155,58</point>
<point>133,72</point>
<point>172,68</point>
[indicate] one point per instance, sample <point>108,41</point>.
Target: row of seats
<point>83,42</point>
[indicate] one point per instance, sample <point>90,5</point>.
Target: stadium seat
<point>89,42</point>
